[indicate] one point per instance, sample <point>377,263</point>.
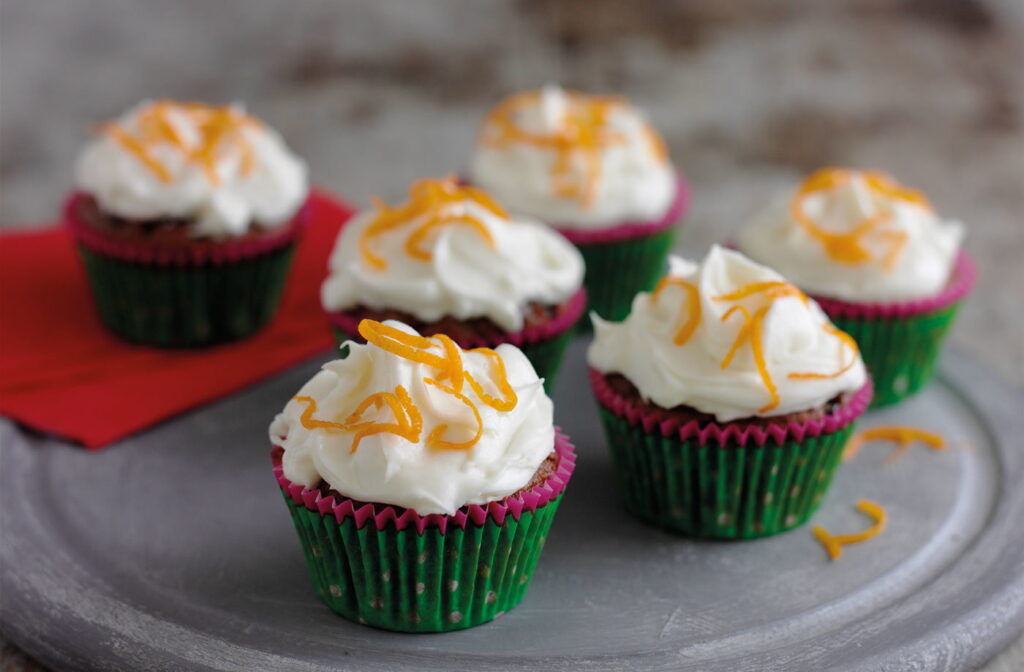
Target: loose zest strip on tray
<point>583,132</point>
<point>902,436</point>
<point>834,543</point>
<point>850,247</point>
<point>219,128</point>
<point>442,202</point>
<point>450,378</point>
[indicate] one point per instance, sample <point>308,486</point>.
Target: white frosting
<point>466,276</point>
<point>642,347</point>
<point>921,269</point>
<point>389,469</point>
<point>635,182</point>
<point>270,192</point>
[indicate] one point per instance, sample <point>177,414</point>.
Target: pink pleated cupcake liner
<point>961,282</point>
<point>349,324</point>
<point>730,433</point>
<point>181,255</point>
<point>629,230</point>
<point>382,516</point>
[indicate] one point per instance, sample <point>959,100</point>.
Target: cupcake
<point>186,216</point>
<point>593,168</point>
<point>727,398</point>
<point>451,261</point>
<point>879,261</point>
<point>422,479</point>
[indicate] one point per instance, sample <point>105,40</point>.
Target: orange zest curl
<point>845,341</point>
<point>902,436</point>
<point>767,292</point>
<point>434,438</point>
<point>309,422</point>
<point>508,399</point>
<point>850,247</point>
<point>834,543</point>
<point>693,311</point>
<point>442,202</point>
<point>219,128</point>
<point>582,133</point>
<point>407,346</point>
<point>412,243</point>
<point>450,378</point>
<point>408,421</point>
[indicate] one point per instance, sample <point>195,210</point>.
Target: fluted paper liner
<point>733,480</point>
<point>392,568</point>
<point>543,344</point>
<point>185,295</point>
<point>900,341</point>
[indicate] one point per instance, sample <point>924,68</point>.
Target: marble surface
<point>749,94</point>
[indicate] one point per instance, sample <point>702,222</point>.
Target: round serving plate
<point>173,550</point>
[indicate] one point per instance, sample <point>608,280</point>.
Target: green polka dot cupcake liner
<point>730,480</point>
<point>544,345</point>
<point>178,296</point>
<point>394,569</point>
<point>626,259</point>
<point>901,342</point>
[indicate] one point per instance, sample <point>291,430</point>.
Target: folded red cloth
<point>62,372</point>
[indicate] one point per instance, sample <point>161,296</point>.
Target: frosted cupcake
<point>593,168</point>
<point>727,398</point>
<point>878,259</point>
<point>422,479</point>
<point>451,260</point>
<point>186,216</point>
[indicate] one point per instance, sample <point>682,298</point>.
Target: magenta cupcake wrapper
<point>736,433</point>
<point>630,230</point>
<point>349,324</point>
<point>963,277</point>
<point>382,516</point>
<point>184,255</point>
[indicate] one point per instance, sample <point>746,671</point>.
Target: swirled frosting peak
<point>417,422</point>
<point>731,338</point>
<point>857,236</point>
<point>574,160</point>
<point>216,165</point>
<point>450,250</point>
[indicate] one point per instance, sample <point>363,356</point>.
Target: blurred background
<point>750,95</point>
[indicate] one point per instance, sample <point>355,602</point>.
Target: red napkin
<point>62,372</point>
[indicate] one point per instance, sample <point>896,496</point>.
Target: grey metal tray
<point>174,551</point>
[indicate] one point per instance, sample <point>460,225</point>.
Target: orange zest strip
<point>139,150</point>
<point>508,399</point>
<point>902,436</point>
<point>403,425</point>
<point>849,247</point>
<point>748,290</point>
<point>693,311</point>
<point>309,422</point>
<point>412,242</point>
<point>442,203</point>
<point>582,134</point>
<point>741,336</point>
<point>453,371</point>
<point>405,345</point>
<point>757,346</point>
<point>408,422</point>
<point>834,543</point>
<point>218,127</point>
<point>434,438</point>
<point>845,341</point>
